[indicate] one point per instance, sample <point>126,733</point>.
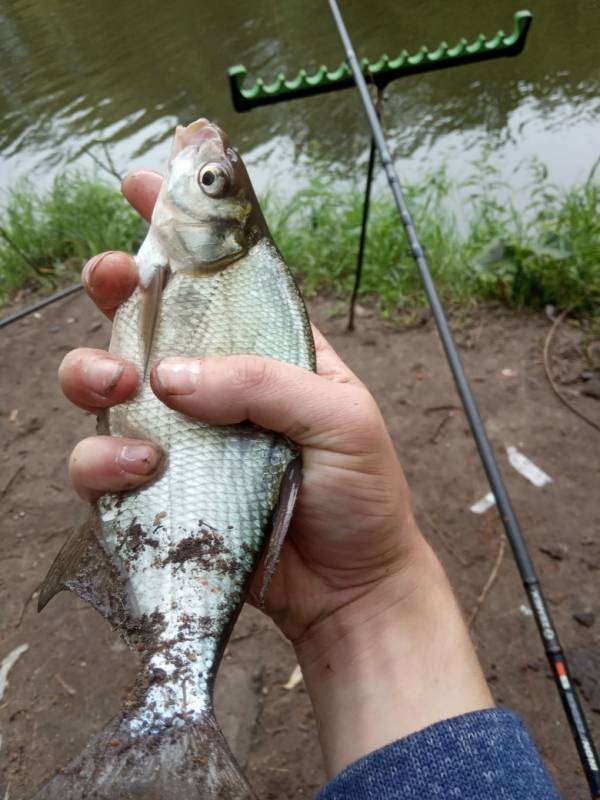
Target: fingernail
<point>102,375</point>
<point>178,375</point>
<point>138,459</point>
<point>90,267</point>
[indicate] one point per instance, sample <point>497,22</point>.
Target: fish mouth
<point>196,133</point>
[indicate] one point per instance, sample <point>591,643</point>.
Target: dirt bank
<point>75,671</point>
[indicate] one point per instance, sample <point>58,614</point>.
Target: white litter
<point>481,506</point>
<point>525,610</point>
<point>8,663</point>
<point>294,679</point>
<point>527,468</point>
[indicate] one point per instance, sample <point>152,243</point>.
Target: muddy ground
<point>75,671</point>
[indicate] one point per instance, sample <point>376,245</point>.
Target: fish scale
<point>170,563</point>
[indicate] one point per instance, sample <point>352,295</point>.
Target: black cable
<point>554,652</point>
<point>23,312</point>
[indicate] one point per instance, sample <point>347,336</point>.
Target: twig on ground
<point>52,534</point>
<point>440,427</point>
<point>443,537</point>
<point>66,686</point>
<point>552,382</point>
<point>242,636</point>
<point>11,481</point>
<point>435,409</point>
<point>489,583</point>
<point>24,607</point>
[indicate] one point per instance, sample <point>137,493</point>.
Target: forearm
<point>390,663</point>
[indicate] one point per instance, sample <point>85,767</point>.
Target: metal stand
<point>378,103</point>
<point>363,235</point>
<point>378,74</point>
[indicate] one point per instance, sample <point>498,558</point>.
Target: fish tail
<point>190,762</point>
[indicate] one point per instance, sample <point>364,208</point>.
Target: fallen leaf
<point>294,679</point>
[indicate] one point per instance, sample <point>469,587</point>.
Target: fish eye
<point>214,179</point>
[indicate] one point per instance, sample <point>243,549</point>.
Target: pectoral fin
<point>151,297</point>
<point>282,516</point>
<point>153,270</point>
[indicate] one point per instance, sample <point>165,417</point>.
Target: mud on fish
<point>170,564</point>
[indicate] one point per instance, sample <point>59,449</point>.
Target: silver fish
<point>170,564</point>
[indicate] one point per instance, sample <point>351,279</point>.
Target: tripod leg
<point>363,235</point>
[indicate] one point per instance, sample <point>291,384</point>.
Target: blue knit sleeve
<point>484,755</point>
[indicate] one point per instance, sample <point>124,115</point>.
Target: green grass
<point>45,238</point>
<point>547,254</point>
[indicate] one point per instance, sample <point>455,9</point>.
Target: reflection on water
<point>77,73</point>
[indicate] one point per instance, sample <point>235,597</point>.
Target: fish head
<point>209,196</point>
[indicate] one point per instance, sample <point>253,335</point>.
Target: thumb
<point>310,409</point>
<point>141,190</point>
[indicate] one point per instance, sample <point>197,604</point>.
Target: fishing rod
<point>53,298</point>
<point>554,652</point>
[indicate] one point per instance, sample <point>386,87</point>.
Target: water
<point>124,73</point>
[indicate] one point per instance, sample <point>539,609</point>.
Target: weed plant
<point>45,238</point>
<point>549,253</point>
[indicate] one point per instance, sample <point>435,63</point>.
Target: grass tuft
<point>548,254</point>
<point>45,238</point>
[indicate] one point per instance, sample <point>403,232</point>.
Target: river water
<point>76,73</point>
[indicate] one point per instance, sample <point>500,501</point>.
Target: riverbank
<point>547,255</point>
<point>75,673</point>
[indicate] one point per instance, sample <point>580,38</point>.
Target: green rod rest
<point>381,72</point>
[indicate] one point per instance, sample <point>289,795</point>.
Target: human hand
<point>354,563</point>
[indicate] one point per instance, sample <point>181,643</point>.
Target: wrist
<point>391,662</point>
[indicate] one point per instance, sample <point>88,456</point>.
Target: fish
<point>170,564</point>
